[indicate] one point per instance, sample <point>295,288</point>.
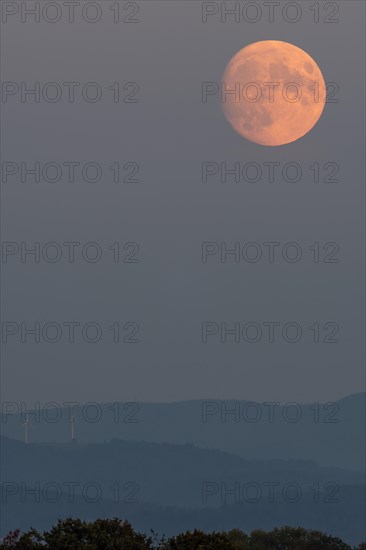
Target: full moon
<point>273,92</point>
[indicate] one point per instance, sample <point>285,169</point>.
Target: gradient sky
<point>170,292</point>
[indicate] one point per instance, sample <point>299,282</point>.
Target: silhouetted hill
<point>330,434</point>
<point>170,488</point>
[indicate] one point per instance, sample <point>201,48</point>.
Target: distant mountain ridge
<point>173,475</point>
<point>331,434</point>
<point>170,488</point>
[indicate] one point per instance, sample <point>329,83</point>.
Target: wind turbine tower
<point>26,425</point>
<point>72,426</point>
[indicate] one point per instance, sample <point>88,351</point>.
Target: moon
<point>273,92</point>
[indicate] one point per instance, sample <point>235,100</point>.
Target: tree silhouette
<point>115,534</point>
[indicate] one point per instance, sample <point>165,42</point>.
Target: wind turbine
<point>26,425</point>
<point>72,424</point>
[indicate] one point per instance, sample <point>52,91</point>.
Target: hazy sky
<point>169,212</point>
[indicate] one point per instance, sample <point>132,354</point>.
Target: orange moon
<point>273,92</point>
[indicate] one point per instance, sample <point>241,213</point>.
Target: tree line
<point>115,534</point>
